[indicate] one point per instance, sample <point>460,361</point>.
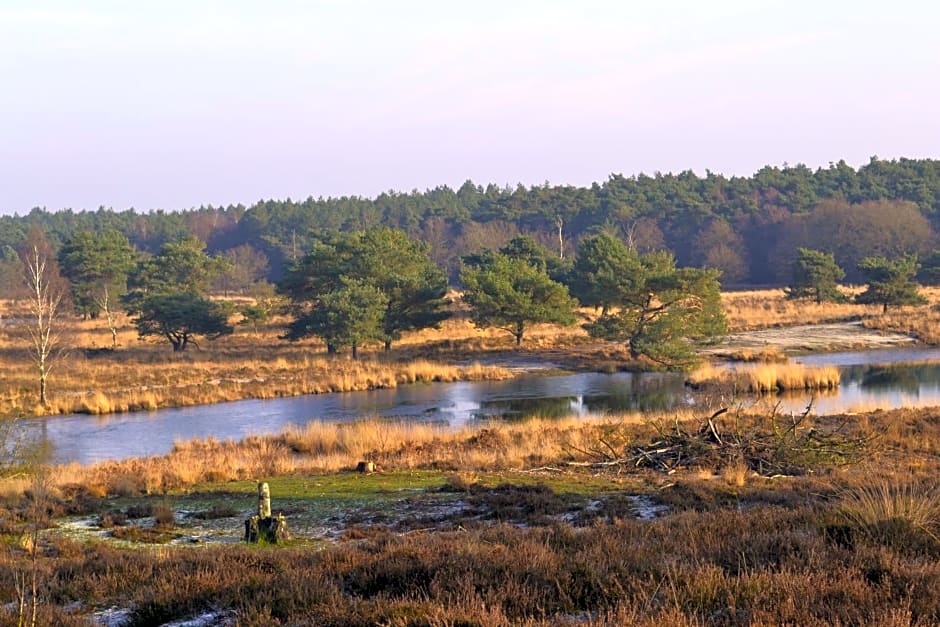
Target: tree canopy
<point>97,266</point>
<point>350,316</point>
<point>511,293</point>
<point>659,311</point>
<point>181,266</point>
<point>599,271</point>
<point>891,282</point>
<point>884,207</point>
<point>816,275</point>
<point>413,287</point>
<point>180,318</point>
<point>169,296</point>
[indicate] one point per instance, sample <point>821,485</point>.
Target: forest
<point>749,228</point>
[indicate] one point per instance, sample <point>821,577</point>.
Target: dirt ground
<point>810,338</point>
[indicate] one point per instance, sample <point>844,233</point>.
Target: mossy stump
<point>264,527</point>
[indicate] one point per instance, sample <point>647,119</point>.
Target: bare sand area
<point>810,338</point>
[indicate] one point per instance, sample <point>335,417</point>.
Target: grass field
<point>761,309</point>
<point>722,518</point>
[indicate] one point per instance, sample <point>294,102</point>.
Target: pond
<point>870,380</point>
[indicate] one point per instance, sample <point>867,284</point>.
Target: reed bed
<point>768,378</point>
<point>324,447</point>
<point>146,376</point>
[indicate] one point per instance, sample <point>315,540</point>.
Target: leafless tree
<point>47,291</point>
<point>28,580</point>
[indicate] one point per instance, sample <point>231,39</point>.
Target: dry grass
<point>148,375</point>
<point>826,543</point>
<point>144,375</point>
<point>892,499</point>
<point>759,309</point>
<point>768,378</point>
<point>831,545</point>
<point>321,447</point>
<point>924,324</point>
<point>921,322</point>
<point>772,355</point>
<point>458,334</point>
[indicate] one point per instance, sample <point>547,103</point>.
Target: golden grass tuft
<point>735,474</point>
<point>768,378</point>
<point>96,403</point>
<point>893,499</point>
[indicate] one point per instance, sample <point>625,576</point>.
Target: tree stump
<point>264,527</point>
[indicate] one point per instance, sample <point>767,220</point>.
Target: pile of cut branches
<point>768,446</point>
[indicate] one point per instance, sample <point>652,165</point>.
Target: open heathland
<point>723,518</point>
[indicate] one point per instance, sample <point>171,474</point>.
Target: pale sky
<point>174,104</point>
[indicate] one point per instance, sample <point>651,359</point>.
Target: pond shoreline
<point>600,357</point>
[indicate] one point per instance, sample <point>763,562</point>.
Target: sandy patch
<point>810,338</point>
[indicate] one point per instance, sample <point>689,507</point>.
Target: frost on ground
<point>119,617</point>
<point>646,508</point>
<point>329,521</point>
<point>811,338</point>
<point>112,617</point>
<point>208,619</point>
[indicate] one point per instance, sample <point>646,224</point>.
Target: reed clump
<point>768,378</point>
<point>893,499</point>
<point>765,355</point>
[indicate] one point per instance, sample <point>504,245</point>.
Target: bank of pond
<point>869,380</point>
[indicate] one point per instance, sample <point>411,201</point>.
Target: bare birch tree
<point>46,293</point>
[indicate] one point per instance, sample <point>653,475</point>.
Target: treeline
<point>748,227</point>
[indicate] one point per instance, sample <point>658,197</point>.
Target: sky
<point>176,104</point>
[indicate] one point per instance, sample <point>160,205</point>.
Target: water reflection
<point>884,385</point>
<point>902,378</point>
<point>524,408</point>
<point>88,439</point>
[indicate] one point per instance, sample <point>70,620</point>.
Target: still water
<point>870,380</point>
